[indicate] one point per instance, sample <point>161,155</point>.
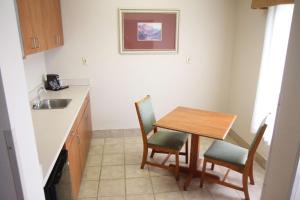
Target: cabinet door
<point>53,23</point>
<point>82,135</point>
<point>59,23</point>
<point>89,123</point>
<point>74,164</point>
<point>85,134</point>
<point>31,23</point>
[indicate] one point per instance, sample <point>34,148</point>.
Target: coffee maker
<point>52,82</point>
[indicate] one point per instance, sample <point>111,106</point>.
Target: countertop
<point>53,126</point>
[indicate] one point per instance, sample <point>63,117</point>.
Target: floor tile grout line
<point>211,195</point>
<point>152,184</point>
<point>125,184</point>
<point>124,162</point>
<point>100,171</point>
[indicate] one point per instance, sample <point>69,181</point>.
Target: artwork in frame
<point>148,31</point>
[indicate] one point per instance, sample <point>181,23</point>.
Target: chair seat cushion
<point>224,151</point>
<point>167,139</point>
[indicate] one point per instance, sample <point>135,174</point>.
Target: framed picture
<point>148,31</point>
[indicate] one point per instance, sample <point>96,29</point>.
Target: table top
<point>195,121</point>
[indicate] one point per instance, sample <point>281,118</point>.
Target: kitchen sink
<point>47,104</point>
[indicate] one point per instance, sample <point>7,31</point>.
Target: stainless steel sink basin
<point>47,104</point>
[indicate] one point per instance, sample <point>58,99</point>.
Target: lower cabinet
<point>84,138</point>
<point>74,164</point>
<point>78,144</point>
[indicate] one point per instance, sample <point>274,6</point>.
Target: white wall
<point>35,67</point>
<point>285,146</point>
<point>91,30</point>
<point>249,40</point>
<point>14,83</point>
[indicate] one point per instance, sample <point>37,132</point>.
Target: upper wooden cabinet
<point>31,23</point>
<point>267,3</point>
<point>41,25</point>
<point>53,23</point>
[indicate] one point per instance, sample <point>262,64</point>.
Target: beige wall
<point>35,67</point>
<point>248,46</point>
<point>223,38</point>
<point>206,34</point>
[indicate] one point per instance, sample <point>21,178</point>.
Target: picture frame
<point>144,31</point>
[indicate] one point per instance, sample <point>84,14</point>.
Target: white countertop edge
<point>47,175</point>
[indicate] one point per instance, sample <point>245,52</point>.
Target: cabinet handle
<point>78,139</point>
<point>57,39</point>
<point>37,42</point>
<point>33,43</point>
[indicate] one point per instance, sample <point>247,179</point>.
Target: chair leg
<point>177,166</point>
<point>187,152</point>
<point>152,153</point>
<point>251,175</point>
<point>212,167</point>
<point>203,173</point>
<point>145,154</point>
<point>245,185</point>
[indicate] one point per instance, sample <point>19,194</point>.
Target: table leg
<point>194,155</point>
<point>192,170</point>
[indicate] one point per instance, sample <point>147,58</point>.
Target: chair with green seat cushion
<point>227,152</point>
<point>168,142</point>
<point>235,158</point>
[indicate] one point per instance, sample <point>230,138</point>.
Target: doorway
<point>10,185</point>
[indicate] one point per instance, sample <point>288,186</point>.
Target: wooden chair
<point>160,141</point>
<point>235,158</point>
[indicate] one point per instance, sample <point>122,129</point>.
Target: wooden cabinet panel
<point>31,23</point>
<point>74,163</point>
<point>89,121</point>
<point>78,144</point>
<point>84,134</point>
<point>41,25</point>
<point>83,142</point>
<point>53,23</point>
<point>59,23</point>
<point>268,3</point>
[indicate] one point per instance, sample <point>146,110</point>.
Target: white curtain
<point>272,65</point>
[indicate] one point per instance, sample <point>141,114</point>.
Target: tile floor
<point>113,173</point>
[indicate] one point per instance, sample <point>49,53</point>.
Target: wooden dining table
<point>197,122</point>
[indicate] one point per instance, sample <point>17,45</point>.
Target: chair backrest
<point>260,132</point>
<point>145,114</point>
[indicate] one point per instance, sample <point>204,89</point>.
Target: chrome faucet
<point>41,89</point>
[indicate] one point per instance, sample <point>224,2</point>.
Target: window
<point>272,65</point>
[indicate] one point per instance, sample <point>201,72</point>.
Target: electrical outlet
<point>84,61</point>
<point>188,60</point>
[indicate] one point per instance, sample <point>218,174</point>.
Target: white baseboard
<point>116,133</point>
